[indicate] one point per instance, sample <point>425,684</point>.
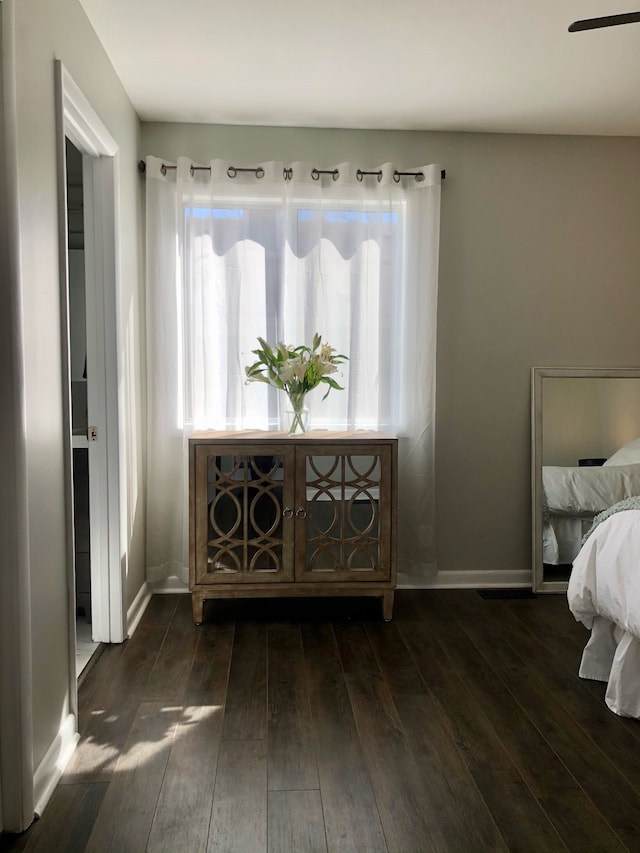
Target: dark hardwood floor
<point>300,726</point>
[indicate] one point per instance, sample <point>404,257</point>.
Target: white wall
<point>16,789</point>
<point>539,265</point>
<point>47,31</point>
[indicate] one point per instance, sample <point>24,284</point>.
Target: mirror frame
<point>538,583</point>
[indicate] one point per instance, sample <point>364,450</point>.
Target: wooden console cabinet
<point>277,515</point>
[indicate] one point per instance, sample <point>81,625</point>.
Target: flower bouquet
<point>296,371</point>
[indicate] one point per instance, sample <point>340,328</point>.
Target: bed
<point>573,496</point>
<point>604,594</point>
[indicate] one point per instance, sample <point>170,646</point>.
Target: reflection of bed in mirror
<point>572,496</point>
<point>586,457</point>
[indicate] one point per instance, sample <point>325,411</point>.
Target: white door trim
<point>78,121</point>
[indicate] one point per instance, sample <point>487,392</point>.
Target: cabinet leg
<point>387,605</point>
<point>197,606</point>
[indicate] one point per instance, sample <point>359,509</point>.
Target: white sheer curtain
<point>282,253</point>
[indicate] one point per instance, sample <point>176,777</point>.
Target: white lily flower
<point>325,352</point>
<point>300,368</point>
<point>287,371</point>
<point>322,365</point>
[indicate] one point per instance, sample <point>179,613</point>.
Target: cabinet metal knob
<point>287,512</point>
<point>301,512</point>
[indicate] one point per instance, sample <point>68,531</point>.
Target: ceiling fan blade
<point>607,21</point>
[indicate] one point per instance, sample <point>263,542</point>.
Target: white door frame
<point>78,122</point>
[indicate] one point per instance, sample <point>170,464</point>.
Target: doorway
<point>85,646</point>
<point>88,163</point>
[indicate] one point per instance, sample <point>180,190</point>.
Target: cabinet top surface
<point>257,435</point>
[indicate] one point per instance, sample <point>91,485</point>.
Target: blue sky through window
<point>363,216</point>
<point>214,212</point>
<point>304,215</point>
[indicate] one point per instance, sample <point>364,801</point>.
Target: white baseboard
<point>468,579</point>
<point>53,764</point>
<point>167,573</point>
<point>462,579</point>
<point>138,606</point>
<point>170,585</point>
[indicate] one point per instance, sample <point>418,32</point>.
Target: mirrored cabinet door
<point>242,534</point>
<point>586,458</point>
<point>343,525</point>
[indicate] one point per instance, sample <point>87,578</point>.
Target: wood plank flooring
<point>311,726</point>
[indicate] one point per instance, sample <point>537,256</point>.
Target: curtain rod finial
<point>142,167</point>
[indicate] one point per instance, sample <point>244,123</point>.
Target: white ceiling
<point>461,65</point>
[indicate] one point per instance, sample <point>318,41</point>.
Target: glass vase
<point>297,415</point>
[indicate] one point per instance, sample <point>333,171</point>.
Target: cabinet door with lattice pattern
<point>343,513</point>
<point>244,527</point>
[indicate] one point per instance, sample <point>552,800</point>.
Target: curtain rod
<point>287,172</point>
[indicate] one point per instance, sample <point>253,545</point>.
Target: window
<point>283,272</point>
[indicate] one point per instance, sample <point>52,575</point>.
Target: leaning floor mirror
<point>585,458</point>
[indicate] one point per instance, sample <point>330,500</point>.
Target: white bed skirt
<point>613,655</point>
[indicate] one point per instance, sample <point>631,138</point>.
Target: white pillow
<point>629,454</point>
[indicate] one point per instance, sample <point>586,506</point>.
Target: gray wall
<point>46,31</point>
<point>587,417</point>
<point>539,265</point>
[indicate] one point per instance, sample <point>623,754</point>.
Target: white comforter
<point>604,594</point>
<point>583,492</point>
